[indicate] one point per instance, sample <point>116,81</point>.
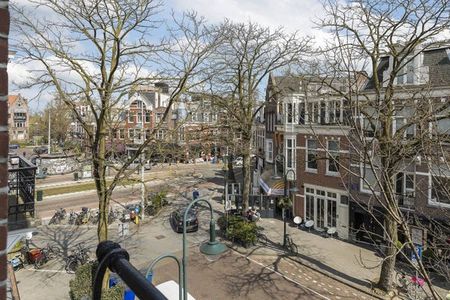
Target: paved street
<point>173,178</point>
<point>263,273</point>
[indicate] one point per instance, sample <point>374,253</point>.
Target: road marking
<point>287,278</point>
<point>47,271</point>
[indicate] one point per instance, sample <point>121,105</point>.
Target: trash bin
<point>39,195</point>
<point>75,176</point>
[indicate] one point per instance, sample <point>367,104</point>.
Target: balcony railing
<point>406,201</point>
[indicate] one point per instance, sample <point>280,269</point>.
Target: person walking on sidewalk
<point>195,194</point>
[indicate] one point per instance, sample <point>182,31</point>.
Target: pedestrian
<point>195,194</point>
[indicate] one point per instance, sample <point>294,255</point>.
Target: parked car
<point>40,150</point>
<point>14,146</point>
<point>176,221</point>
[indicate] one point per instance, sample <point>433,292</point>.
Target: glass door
<point>320,213</point>
<point>331,213</point>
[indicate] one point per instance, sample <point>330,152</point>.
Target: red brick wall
<point>320,178</point>
<point>4,30</point>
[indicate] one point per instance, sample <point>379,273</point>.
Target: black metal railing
<point>111,255</point>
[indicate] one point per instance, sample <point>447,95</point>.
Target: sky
<point>293,15</point>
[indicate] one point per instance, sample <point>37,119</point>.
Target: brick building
<point>312,138</point>
<point>4,31</point>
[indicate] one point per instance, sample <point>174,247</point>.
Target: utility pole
<point>142,162</point>
<point>49,136</point>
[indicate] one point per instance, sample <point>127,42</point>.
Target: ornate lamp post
<point>211,248</point>
<point>287,194</point>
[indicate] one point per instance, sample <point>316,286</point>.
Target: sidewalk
<point>343,261</point>
<point>346,262</point>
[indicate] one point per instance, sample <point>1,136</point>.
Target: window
<point>214,117</point>
<point>147,117</point>
<point>121,133</point>
<point>409,132</point>
<point>370,179</point>
<point>309,207</point>
<point>137,134</point>
<point>301,113</point>
<point>131,117</point>
<point>331,213</point>
<point>334,112</point>
<point>368,128</point>
<point>442,127</point>
<point>440,189</point>
<point>139,117</point>
<point>158,117</point>
<point>269,150</point>
<point>290,113</point>
<point>160,134</point>
<point>290,153</point>
<point>333,157</point>
<point>406,74</point>
<point>131,133</point>
<point>311,155</point>
<point>344,200</point>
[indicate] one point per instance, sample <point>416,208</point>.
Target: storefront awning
<point>270,185</point>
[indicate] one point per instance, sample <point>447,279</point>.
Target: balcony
<point>21,187</point>
<point>406,201</point>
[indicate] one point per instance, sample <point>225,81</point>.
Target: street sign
<point>417,235</point>
<point>419,254</point>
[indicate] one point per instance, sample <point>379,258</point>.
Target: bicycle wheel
<point>38,263</point>
<point>293,249</point>
<point>71,266</point>
<point>262,239</point>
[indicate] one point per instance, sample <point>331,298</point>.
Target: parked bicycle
<point>411,286</point>
<point>73,216</point>
<point>78,258</point>
<point>94,217</point>
<point>261,238</point>
<point>83,216</point>
<point>290,245</point>
<point>59,215</point>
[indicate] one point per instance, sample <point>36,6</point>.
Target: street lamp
<point>286,191</point>
<point>275,174</point>
<point>210,248</point>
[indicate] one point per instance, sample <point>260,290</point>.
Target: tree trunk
<point>387,273</point>
<point>246,181</point>
<point>102,189</point>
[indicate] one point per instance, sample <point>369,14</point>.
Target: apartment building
<point>306,141</point>
<point>321,145</point>
<point>421,131</point>
<point>18,116</point>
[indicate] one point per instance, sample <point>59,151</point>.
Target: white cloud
<point>294,15</point>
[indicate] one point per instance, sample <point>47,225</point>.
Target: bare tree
<point>98,51</point>
<point>390,117</point>
<point>247,54</point>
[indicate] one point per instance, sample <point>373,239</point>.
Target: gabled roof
<point>12,99</point>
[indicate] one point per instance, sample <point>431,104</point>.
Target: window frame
<point>315,152</point>
<point>333,155</point>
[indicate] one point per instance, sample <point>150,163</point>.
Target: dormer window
<point>406,74</point>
